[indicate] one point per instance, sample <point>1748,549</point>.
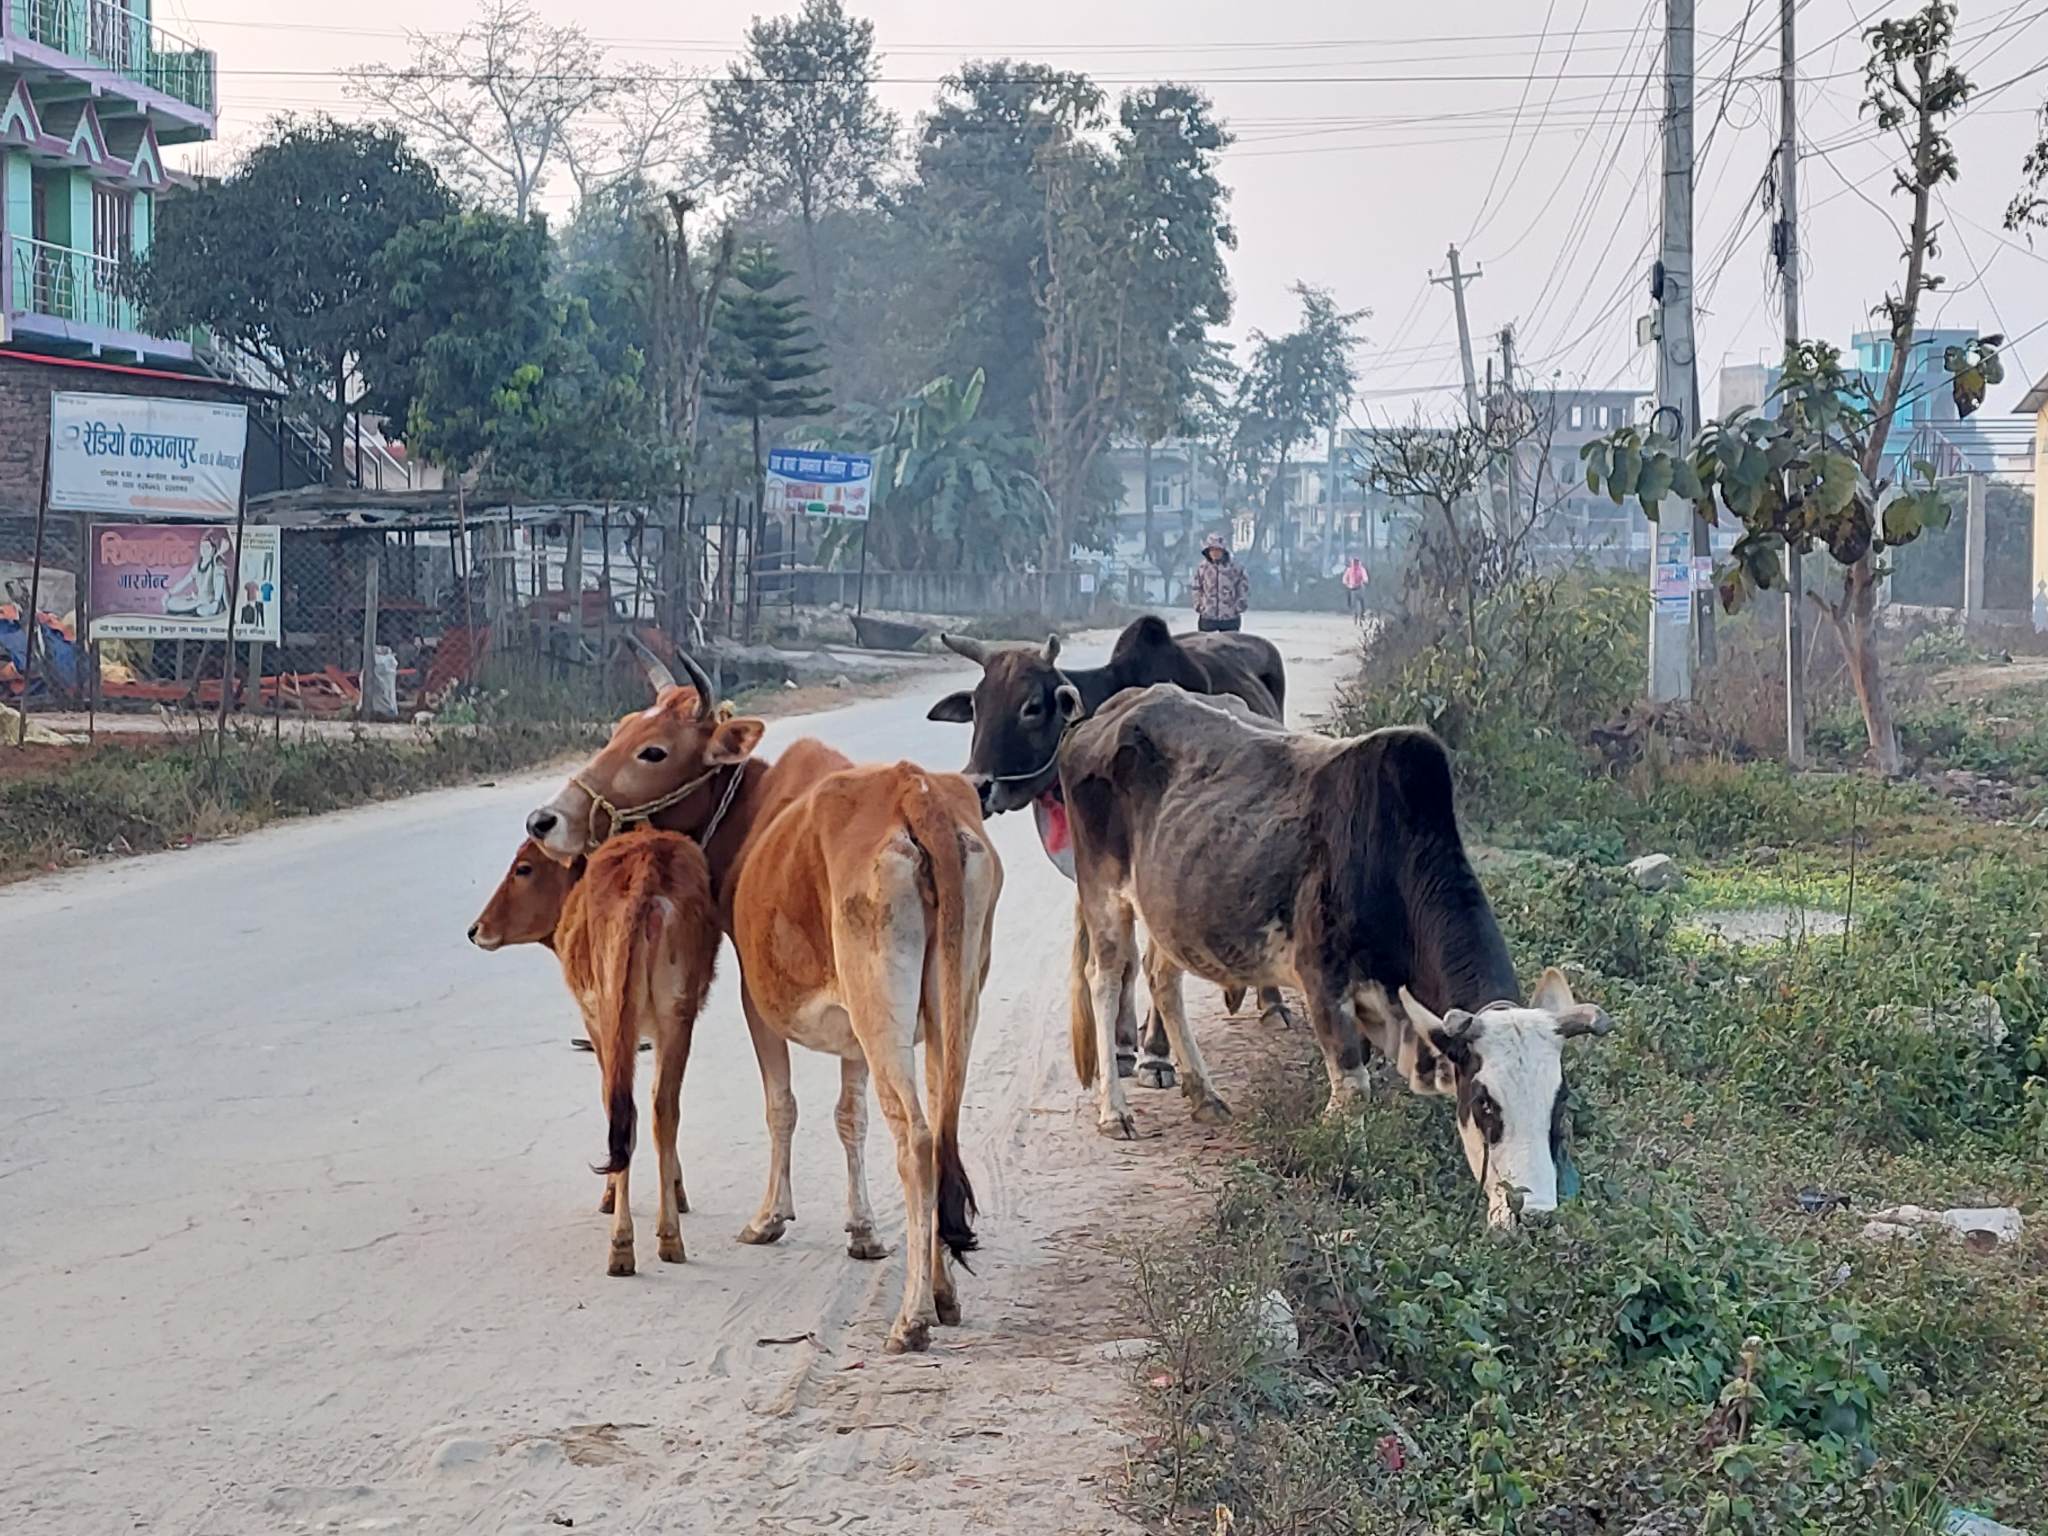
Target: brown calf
<point>860,902</point>
<point>635,929</point>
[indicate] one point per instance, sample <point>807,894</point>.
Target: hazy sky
<point>1372,135</point>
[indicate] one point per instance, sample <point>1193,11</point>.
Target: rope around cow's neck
<point>617,819</point>
<point>1053,760</point>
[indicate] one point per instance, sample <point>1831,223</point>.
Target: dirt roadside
<point>317,1252</point>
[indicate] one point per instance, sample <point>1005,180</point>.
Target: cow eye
<point>653,754</point>
<point>522,870</point>
<point>1486,1115</point>
<point>1033,708</point>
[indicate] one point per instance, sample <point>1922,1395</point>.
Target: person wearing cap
<point>1222,591</point>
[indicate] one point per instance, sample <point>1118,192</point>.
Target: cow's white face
<point>1505,1067</point>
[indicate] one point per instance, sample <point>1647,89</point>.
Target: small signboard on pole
<point>809,482</point>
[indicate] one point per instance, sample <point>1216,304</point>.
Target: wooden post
<point>604,612</point>
<point>227,650</point>
<point>860,592</point>
<point>30,630</point>
<point>468,609</point>
<point>84,647</point>
<point>373,599</point>
<point>572,585</point>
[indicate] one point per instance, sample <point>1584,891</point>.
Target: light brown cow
<point>860,902</point>
<point>635,929</point>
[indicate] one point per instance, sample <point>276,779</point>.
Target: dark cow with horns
<point>1018,722</point>
<point>1260,855</point>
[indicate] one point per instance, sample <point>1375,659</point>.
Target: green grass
<point>164,796</point>
<point>1685,1337</point>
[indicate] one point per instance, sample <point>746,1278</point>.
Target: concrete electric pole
<point>1507,384</point>
<point>1456,281</point>
<point>1787,252</point>
<point>1671,538</point>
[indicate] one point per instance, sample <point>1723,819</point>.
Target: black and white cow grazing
<point>1335,866</point>
<point>1019,714</point>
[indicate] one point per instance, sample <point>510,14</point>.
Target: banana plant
<point>953,489</point>
<point>1790,480</point>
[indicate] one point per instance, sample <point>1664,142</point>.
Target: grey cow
<point>1261,856</point>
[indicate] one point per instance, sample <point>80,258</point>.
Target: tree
<point>763,357</point>
<point>1295,386</point>
<point>275,260</point>
<point>954,488</point>
<point>797,122</point>
<point>976,210</point>
<point>1461,555</point>
<point>465,368</point>
<point>508,99</point>
<point>1168,144</point>
<point>681,297</point>
<point>1816,473</point>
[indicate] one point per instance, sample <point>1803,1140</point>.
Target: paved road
<point>296,1232</point>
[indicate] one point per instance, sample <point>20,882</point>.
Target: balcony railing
<point>105,34</point>
<point>71,285</point>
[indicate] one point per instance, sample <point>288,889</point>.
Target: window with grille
<point>113,224</point>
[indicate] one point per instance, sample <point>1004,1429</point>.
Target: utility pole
<point>1787,251</point>
<point>1672,599</point>
<point>1507,384</point>
<point>1456,282</point>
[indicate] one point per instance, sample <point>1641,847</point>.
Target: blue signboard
<point>811,482</point>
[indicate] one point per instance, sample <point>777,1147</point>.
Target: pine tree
<point>764,357</point>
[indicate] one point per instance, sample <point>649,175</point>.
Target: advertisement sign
<point>174,581</point>
<point>813,483</point>
<point>125,455</point>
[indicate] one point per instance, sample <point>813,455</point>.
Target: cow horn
<point>1583,1019</point>
<point>1052,649</point>
<point>657,671</point>
<point>961,645</point>
<point>707,691</point>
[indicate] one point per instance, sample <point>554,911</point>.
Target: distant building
<point>1552,470</point>
<point>92,93</point>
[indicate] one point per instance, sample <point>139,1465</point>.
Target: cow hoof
<point>1233,999</point>
<point>1278,1016</point>
<point>604,1205</point>
<point>670,1248</point>
<point>1118,1127</point>
<point>861,1243</point>
<point>1211,1111</point>
<point>1126,1064</point>
<point>909,1338</point>
<point>760,1234</point>
<point>1156,1074</point>
<point>948,1309</point>
<point>621,1260</point>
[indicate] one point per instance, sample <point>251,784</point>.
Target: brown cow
<point>635,929</point>
<point>860,902</point>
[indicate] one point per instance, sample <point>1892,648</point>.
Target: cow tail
<point>1081,1007</point>
<point>625,991</point>
<point>939,836</point>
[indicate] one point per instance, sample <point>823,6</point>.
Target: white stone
<point>2000,1222</point>
<point>1656,872</point>
<point>1274,1320</point>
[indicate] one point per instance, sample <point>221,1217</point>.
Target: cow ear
<point>1052,649</point>
<point>1553,992</point>
<point>734,741</point>
<point>954,709</point>
<point>1068,697</point>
